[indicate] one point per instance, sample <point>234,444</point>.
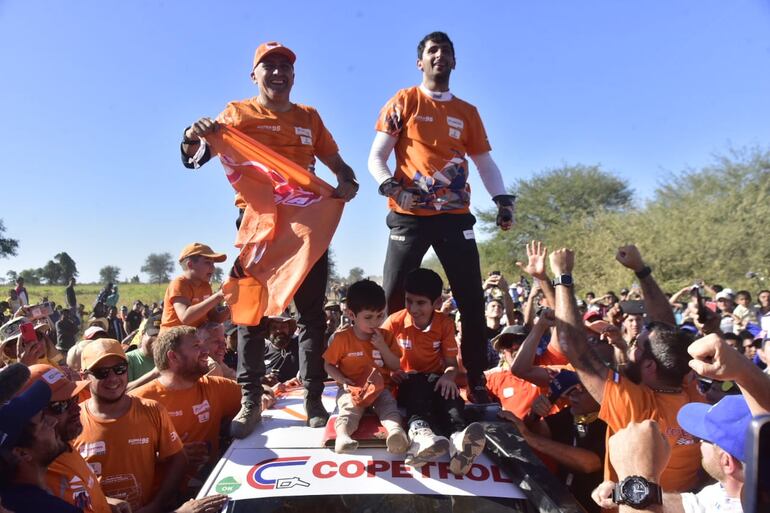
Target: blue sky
<point>94,97</point>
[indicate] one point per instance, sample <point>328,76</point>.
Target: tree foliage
<point>31,276</point>
<point>8,247</point>
<point>355,274</point>
<point>67,265</point>
<point>158,266</point>
<point>109,274</point>
<point>219,275</point>
<point>51,272</point>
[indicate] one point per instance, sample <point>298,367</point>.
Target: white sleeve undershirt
<point>382,147</point>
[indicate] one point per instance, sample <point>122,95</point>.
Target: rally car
<point>286,466</point>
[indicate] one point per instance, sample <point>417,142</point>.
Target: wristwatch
<point>562,279</point>
<point>637,492</point>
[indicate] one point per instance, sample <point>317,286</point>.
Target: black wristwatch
<point>637,492</point>
<point>562,279</point>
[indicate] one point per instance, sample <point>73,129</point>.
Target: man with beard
<point>69,477</point>
<point>652,387</point>
<point>281,350</point>
<point>432,132</point>
<point>296,132</point>
<point>125,439</point>
<point>197,403</point>
<point>28,444</point>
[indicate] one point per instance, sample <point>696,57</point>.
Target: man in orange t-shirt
<point>297,133</point>
<point>196,403</point>
<point>432,132</point>
<point>125,439</point>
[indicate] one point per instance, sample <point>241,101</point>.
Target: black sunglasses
<point>59,407</point>
<point>103,372</point>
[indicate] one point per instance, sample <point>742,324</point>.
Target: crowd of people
<point>127,409</point>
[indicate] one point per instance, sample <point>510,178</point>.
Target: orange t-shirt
<point>197,412</point>
<point>182,287</point>
<point>355,358</point>
<point>434,138</point>
<point>125,452</point>
<point>299,134</point>
<point>515,394</point>
<point>70,478</point>
<point>423,350</point>
<point>624,402</point>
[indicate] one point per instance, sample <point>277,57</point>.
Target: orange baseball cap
<point>62,388</point>
<point>272,47</point>
<point>197,248</point>
<point>98,350</point>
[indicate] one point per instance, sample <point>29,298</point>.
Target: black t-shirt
<point>72,301</point>
<point>586,436</point>
<point>283,363</point>
<point>25,498</point>
<point>133,320</point>
<point>493,357</point>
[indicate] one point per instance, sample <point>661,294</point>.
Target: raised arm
<point>523,364</point>
<point>570,331</point>
<point>535,267</point>
<point>658,307</point>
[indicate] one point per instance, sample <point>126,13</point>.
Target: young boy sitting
<point>189,300</point>
<point>427,387</point>
<point>353,353</point>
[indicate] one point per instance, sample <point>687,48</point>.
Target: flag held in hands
<point>288,223</point>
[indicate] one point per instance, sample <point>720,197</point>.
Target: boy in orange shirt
<point>427,386</point>
<point>353,354</point>
<point>189,299</point>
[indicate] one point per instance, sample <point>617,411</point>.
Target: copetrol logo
<point>256,479</point>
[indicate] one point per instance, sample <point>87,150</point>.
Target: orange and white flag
<point>288,223</point>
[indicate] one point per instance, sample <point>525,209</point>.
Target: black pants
<point>417,395</point>
<point>309,300</point>
<point>451,236</point>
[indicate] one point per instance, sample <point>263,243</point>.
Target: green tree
<point>30,276</point>
<point>109,274</point>
<point>68,267</point>
<point>11,276</point>
<point>219,275</point>
<point>158,266</point>
<point>333,274</point>
<point>51,272</point>
<point>8,247</point>
<point>135,279</point>
<point>355,274</point>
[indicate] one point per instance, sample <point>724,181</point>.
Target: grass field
<point>87,292</point>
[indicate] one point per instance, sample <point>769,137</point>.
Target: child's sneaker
<point>397,441</point>
<point>426,446</point>
<point>344,443</point>
<point>465,448</point>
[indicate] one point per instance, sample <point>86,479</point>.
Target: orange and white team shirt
<point>355,358</point>
<point>198,411</point>
<point>423,350</point>
<point>125,453</point>
<point>70,478</point>
<point>298,134</point>
<point>183,287</point>
<point>435,134</point>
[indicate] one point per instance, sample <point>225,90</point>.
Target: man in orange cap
<point>297,133</point>
<point>189,299</point>
<point>126,439</point>
<point>69,477</point>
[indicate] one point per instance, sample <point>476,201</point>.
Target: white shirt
<point>711,499</point>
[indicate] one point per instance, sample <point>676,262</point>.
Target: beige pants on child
<point>349,415</point>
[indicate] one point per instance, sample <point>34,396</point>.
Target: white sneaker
<point>397,441</point>
<point>343,443</point>
<point>465,448</point>
<point>426,446</point>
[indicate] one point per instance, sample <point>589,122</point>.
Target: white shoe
<point>344,443</point>
<point>465,448</point>
<point>426,446</point>
<point>397,441</point>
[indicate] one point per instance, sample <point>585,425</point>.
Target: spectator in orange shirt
<point>296,132</point>
<point>652,387</point>
<point>433,132</point>
<point>197,403</point>
<point>356,352</point>
<point>427,382</point>
<point>125,439</point>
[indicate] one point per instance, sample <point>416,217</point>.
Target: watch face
<point>635,491</point>
<point>566,279</point>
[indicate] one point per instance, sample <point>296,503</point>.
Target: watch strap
<point>645,272</point>
<point>562,279</point>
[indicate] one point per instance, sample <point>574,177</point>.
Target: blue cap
<point>16,413</point>
<point>724,424</point>
<point>562,382</point>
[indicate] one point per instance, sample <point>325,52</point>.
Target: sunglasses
<point>103,372</point>
<point>59,407</point>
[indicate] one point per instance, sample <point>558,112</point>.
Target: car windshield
<point>373,503</point>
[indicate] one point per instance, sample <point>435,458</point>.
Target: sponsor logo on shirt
<point>377,357</point>
<point>303,131</point>
<point>93,449</point>
<point>177,413</point>
<point>405,343</point>
<point>425,119</point>
<point>200,408</point>
<point>52,376</point>
<point>203,417</point>
<point>437,345</point>
<point>96,467</point>
<point>508,392</point>
<point>356,353</point>
<point>455,122</point>
<point>272,128</point>
<point>454,133</point>
<point>469,235</point>
<point>306,140</point>
<point>139,441</point>
<point>174,436</point>
<point>398,238</point>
